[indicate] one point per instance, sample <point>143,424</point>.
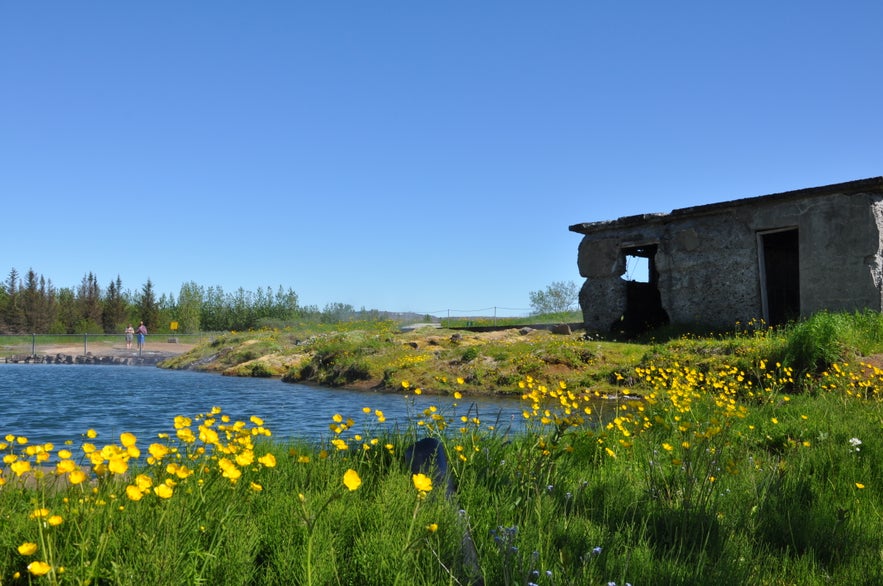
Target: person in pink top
<point>141,331</point>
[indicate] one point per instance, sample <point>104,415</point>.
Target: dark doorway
<point>644,309</point>
<point>780,275</point>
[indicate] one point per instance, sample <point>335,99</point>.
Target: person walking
<point>130,334</point>
<point>141,331</point>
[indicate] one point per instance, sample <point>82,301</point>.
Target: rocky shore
<point>117,355</point>
<point>146,359</point>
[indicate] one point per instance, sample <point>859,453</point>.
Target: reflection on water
<point>54,403</point>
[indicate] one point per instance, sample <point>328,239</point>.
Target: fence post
<point>33,344</point>
<point>85,343</point>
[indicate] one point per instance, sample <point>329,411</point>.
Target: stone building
<point>776,257</point>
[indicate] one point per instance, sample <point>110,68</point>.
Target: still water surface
<point>54,403</point>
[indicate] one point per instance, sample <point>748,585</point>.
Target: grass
<point>723,473</point>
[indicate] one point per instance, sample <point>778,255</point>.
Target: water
<point>54,403</point>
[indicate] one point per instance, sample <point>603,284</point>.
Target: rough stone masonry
<point>775,257</point>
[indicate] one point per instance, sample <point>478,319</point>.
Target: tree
<point>14,314</point>
<point>114,315</point>
<point>89,302</point>
<point>558,297</point>
<point>67,316</point>
<point>189,307</point>
<point>147,306</point>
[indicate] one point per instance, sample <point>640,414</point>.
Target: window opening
<point>643,303</point>
<point>637,268</point>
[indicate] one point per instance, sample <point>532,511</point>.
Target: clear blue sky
<point>409,156</point>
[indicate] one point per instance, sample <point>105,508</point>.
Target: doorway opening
<point>643,308</point>
<point>778,253</point>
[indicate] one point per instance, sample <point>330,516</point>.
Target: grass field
<point>745,459</point>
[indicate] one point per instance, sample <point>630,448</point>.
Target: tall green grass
<point>719,474</point>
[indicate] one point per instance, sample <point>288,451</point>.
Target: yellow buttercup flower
<point>27,548</point>
<point>134,493</point>
<point>432,527</point>
<point>245,458</point>
<point>422,482</point>
<point>76,477</point>
<point>20,467</point>
<point>269,460</point>
<point>39,568</point>
<point>351,480</point>
<point>117,465</point>
<point>127,439</point>
<point>163,491</point>
<point>65,466</point>
<point>55,520</point>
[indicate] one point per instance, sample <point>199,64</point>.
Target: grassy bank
<point>745,461</point>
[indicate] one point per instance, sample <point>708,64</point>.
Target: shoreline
<point>116,354</point>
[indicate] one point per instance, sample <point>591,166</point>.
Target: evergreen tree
<point>113,316</point>
<point>14,314</point>
<point>147,307</point>
<point>89,303</point>
<point>68,315</point>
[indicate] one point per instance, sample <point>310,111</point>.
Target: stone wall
<point>708,258</point>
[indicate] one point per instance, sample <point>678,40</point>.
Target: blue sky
<point>408,156</point>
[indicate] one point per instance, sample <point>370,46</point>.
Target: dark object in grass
<point>428,456</point>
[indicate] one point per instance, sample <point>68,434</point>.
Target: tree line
<point>31,304</point>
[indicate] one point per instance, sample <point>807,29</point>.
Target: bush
<point>816,343</point>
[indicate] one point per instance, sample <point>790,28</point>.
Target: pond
<point>54,403</point>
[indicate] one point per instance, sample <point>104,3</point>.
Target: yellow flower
<point>143,481</point>
<point>667,447</point>
<point>65,466</point>
<point>55,520</point>
<point>458,395</point>
<point>460,380</point>
<point>20,467</point>
<point>127,439</point>
<point>134,493</point>
<point>163,491</point>
<point>117,465</point>
<point>229,470</point>
<point>351,480</point>
<point>76,477</point>
<point>27,548</point>
<point>39,568</point>
<point>91,434</point>
<point>422,482</point>
<point>432,527</point>
<point>859,485</point>
<point>256,420</point>
<point>245,458</point>
<point>269,460</point>
<point>158,451</point>
<point>256,487</point>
